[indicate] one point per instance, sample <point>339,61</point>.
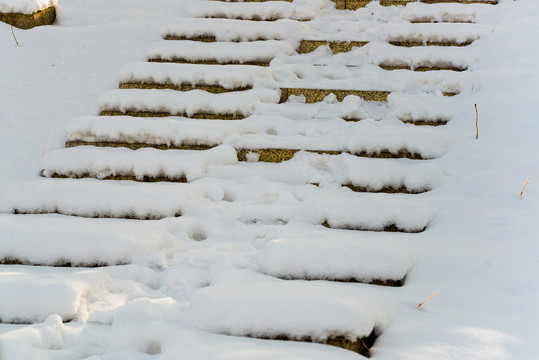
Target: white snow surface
<point>189,102</point>
<point>221,52</point>
<point>268,10</point>
<point>235,30</point>
<point>229,77</point>
<point>27,299</point>
<point>25,6</point>
<point>293,31</point>
<point>241,304</point>
<point>193,286</point>
<point>91,198</point>
<point>50,240</point>
<point>315,259</point>
<point>102,163</point>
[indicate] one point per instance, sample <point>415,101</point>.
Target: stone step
<point>28,21</point>
<point>214,89</point>
<point>336,260</point>
<point>145,164</point>
<point>31,296</point>
<point>80,242</point>
<point>366,138</point>
<point>150,165</point>
<point>211,30</point>
<point>258,53</point>
<point>304,36</point>
<point>272,155</point>
<point>103,199</point>
<point>205,116</point>
<point>94,160</point>
<point>91,198</point>
<point>229,305</point>
<point>336,46</point>
<point>259,11</point>
<point>195,104</point>
<point>330,209</point>
<point>422,68</point>
<point>184,77</point>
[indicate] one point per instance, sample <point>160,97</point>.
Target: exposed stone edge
<point>28,21</point>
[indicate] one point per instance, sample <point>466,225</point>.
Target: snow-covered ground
<point>232,266</point>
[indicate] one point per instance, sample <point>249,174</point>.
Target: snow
<point>189,103</point>
<point>327,170</point>
<point>102,163</point>
<point>363,261</point>
<point>234,30</point>
<point>51,240</point>
<point>172,130</point>
<point>163,73</point>
<point>366,136</point>
<point>192,51</point>
<point>26,298</point>
<point>89,198</point>
<point>194,286</point>
<point>245,305</point>
<point>25,6</point>
<point>300,10</point>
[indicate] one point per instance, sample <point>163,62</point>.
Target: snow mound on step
<point>171,131</point>
<point>60,240</point>
<point>235,30</point>
<point>222,52</point>
<point>25,6</point>
<point>333,259</point>
<point>31,298</point>
<point>95,198</point>
<point>270,10</point>
<point>194,74</point>
<point>247,304</point>
<point>146,162</point>
<point>188,103</point>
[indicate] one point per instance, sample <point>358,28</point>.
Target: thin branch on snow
<point>427,299</point>
<point>12,32</point>
<point>476,123</point>
<point>526,184</point>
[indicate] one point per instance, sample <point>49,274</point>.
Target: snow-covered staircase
<point>312,148</point>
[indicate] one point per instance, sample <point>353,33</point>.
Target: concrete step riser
<point>127,216</point>
<point>208,62</point>
<point>165,114</point>
<point>390,67</point>
<point>214,89</point>
<point>63,263</point>
<point>377,282</point>
<point>361,345</point>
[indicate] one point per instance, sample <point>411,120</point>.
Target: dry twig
<point>476,123</point>
<point>12,32</point>
<point>525,184</point>
<point>427,299</point>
